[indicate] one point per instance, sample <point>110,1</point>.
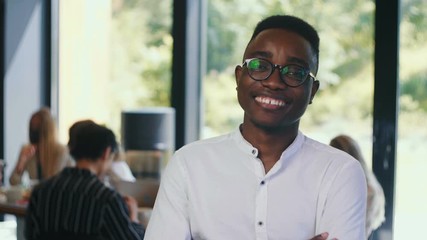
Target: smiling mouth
<point>270,101</point>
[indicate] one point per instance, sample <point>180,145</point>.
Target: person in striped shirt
<point>75,204</point>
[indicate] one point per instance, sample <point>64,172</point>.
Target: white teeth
<point>270,101</point>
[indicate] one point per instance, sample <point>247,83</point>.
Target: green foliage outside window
<point>346,29</point>
<point>141,53</point>
<point>142,46</point>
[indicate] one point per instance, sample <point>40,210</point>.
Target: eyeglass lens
<point>260,69</point>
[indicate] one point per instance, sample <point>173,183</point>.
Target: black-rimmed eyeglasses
<point>292,75</point>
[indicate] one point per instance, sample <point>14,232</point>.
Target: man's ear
<point>106,154</point>
<point>314,89</point>
<point>237,74</point>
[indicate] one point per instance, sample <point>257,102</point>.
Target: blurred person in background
<point>119,169</point>
<point>76,204</point>
<point>375,211</point>
<point>44,155</point>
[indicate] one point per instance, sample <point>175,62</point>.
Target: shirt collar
<point>78,171</point>
<point>247,147</point>
<point>242,144</point>
<point>294,147</point>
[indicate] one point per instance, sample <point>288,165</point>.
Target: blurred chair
<point>143,190</point>
<point>148,136</point>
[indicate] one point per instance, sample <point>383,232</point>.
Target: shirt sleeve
<point>117,223</point>
<point>15,177</point>
<point>344,211</point>
<point>169,219</point>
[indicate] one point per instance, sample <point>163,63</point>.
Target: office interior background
<point>95,59</point>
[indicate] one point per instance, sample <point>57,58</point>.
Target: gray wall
<point>23,81</point>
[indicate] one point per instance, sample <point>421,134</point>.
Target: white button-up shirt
<point>217,189</point>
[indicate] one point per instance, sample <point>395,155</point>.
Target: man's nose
<point>274,81</point>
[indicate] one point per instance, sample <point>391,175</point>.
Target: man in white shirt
<point>266,180</point>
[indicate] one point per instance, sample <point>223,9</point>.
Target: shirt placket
<point>261,200</point>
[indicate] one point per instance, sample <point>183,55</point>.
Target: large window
<point>411,167</point>
<point>114,55</point>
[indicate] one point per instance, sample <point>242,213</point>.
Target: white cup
<point>14,194</point>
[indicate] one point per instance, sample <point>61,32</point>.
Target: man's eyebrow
<point>266,54</point>
<point>263,54</point>
<point>298,60</point>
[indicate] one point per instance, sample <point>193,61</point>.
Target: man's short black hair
<point>73,130</point>
<point>91,140</point>
<point>293,24</point>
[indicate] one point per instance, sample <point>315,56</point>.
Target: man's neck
<point>89,165</point>
<point>270,142</point>
<point>277,137</point>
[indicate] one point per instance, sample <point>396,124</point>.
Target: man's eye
<point>261,68</point>
<point>254,64</point>
<point>258,65</point>
<point>294,72</point>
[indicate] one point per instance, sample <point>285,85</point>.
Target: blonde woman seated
<point>44,156</point>
<point>376,201</point>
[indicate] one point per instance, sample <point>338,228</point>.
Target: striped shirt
<point>76,203</point>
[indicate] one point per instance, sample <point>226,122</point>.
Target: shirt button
<point>262,182</point>
<point>260,223</point>
<point>253,151</point>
